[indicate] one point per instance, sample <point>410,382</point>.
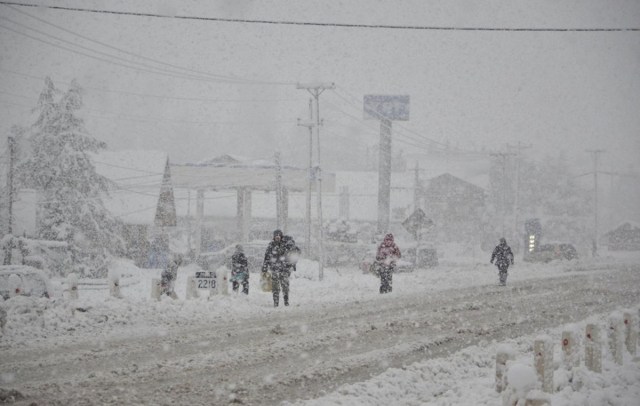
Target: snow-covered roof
<point>470,168</point>
<point>229,172</point>
<point>138,176</point>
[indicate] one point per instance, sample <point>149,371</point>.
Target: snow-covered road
<point>304,351</point>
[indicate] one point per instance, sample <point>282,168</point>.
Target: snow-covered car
<point>23,280</point>
<point>253,250</point>
<point>552,251</point>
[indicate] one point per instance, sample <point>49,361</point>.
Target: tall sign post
<point>386,109</point>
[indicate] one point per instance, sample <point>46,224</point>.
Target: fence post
<point>156,289</point>
<point>543,361</point>
<point>615,336</point>
<point>593,348</point>
<point>192,290</point>
<point>571,355</point>
<point>631,332</point>
<point>503,355</point>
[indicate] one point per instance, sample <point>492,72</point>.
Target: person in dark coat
<point>275,261</point>
<point>292,252</point>
<point>503,257</point>
<point>386,256</point>
<point>239,270</point>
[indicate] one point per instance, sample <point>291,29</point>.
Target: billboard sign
<point>394,108</point>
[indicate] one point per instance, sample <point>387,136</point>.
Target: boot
<point>275,302</point>
<point>286,300</point>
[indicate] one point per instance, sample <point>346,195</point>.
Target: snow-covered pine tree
<point>60,168</point>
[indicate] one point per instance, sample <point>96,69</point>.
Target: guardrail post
<point>593,348</point>
<point>503,355</point>
<point>630,332</point>
<point>156,289</point>
<point>192,290</point>
<point>543,361</point>
<point>615,336</point>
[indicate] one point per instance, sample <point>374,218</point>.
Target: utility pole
<point>10,195</point>
<point>416,188</point>
<point>503,161</point>
<point>316,89</point>
<point>309,124</point>
<point>279,194</point>
<point>594,154</point>
<point>516,199</point>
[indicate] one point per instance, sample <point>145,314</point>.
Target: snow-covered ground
<point>462,378</point>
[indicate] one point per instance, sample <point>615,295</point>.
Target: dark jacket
<point>239,266</point>
<point>274,257</point>
<point>388,251</point>
<point>292,251</point>
<point>502,255</point>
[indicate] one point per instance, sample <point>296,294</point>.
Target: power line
<point>157,96</point>
<point>190,71</point>
<point>319,24</point>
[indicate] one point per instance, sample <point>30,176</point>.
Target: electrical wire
<point>157,96</point>
<point>319,24</point>
<point>223,78</point>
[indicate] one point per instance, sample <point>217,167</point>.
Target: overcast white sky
<point>474,89</point>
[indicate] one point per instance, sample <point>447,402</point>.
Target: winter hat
<point>277,232</point>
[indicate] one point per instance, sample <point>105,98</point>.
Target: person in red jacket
<point>388,253</point>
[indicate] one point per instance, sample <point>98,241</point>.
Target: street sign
<point>417,220</point>
<point>386,107</point>
<point>206,280</point>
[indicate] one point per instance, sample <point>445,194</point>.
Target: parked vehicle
<point>253,250</point>
<point>23,280</point>
<point>553,251</point>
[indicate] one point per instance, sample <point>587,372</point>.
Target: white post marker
<point>156,289</point>
<point>72,283</point>
<point>537,398</point>
<point>615,336</point>
<point>207,280</point>
<point>503,355</point>
<point>630,332</point>
<point>192,289</point>
<point>570,352</point>
<point>224,282</point>
<point>114,287</point>
<point>15,285</point>
<point>593,348</point>
<point>543,361</point>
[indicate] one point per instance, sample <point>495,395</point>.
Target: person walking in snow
<point>275,261</point>
<point>169,275</point>
<point>386,256</point>
<point>503,257</point>
<point>239,270</point>
<point>292,252</point>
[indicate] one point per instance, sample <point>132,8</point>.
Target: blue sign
<point>386,107</point>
